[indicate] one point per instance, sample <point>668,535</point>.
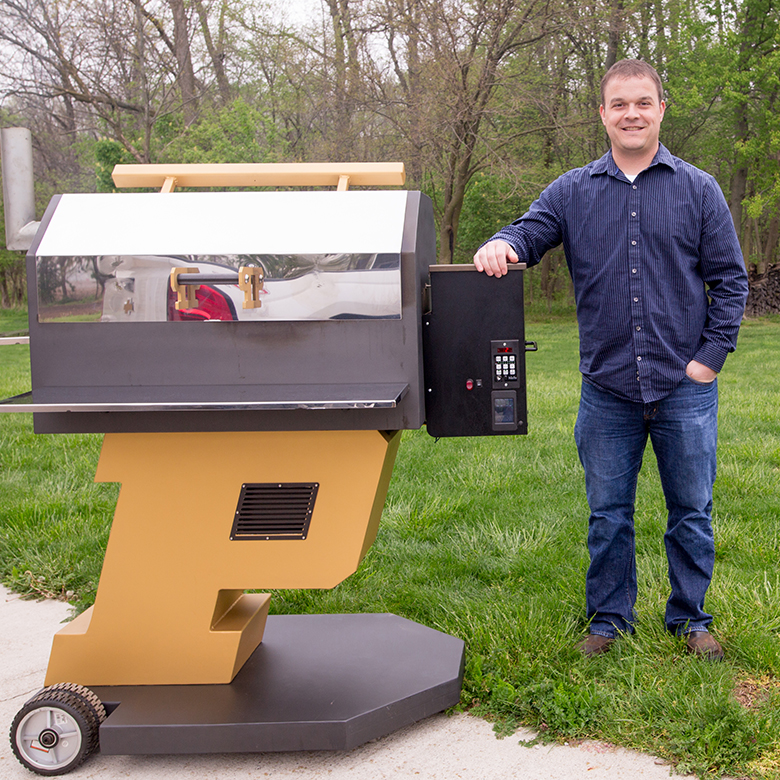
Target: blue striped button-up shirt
<point>658,273</point>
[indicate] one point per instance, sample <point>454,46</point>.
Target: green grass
<point>485,539</point>
<point>13,322</point>
<point>54,520</point>
<point>74,318</point>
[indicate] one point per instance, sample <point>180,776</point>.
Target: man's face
<point>632,115</point>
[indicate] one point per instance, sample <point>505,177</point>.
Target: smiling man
<point>660,287</point>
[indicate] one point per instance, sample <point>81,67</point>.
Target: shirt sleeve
<point>723,271</point>
<point>540,228</point>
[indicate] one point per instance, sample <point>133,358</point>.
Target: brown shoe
<point>595,644</point>
<point>704,644</point>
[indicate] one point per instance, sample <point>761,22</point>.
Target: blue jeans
<point>611,435</point>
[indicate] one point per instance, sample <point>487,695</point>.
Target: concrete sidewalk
<point>438,748</point>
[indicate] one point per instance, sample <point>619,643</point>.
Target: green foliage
<point>490,203</point>
<point>404,90</point>
<point>237,133</point>
<point>717,732</point>
<point>13,289</point>
<point>54,520</point>
<point>13,322</point>
<point>568,707</point>
<point>109,153</point>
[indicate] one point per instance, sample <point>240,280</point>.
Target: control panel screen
<point>504,410</point>
<point>504,407</point>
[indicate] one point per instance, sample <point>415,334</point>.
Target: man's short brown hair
<point>629,69</point>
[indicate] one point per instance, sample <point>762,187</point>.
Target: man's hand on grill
<point>492,258</point>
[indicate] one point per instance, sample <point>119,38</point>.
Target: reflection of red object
<point>212,305</point>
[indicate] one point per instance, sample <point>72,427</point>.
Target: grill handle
<point>185,281</point>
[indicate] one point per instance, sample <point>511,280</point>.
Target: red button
<point>469,384</point>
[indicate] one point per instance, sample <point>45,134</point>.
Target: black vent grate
<point>274,510</point>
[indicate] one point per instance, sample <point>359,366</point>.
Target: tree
<point>753,92</point>
<point>450,61</point>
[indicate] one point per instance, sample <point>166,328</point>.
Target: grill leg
<point>170,607</point>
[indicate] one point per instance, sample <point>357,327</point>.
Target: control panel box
<point>474,353</point>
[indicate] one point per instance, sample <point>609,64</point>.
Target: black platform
<point>317,682</point>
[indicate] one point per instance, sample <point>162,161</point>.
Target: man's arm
<point>723,271</point>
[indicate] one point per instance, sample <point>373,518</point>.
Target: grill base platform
<point>317,682</point>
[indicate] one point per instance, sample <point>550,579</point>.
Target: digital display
<point>504,350</point>
<point>503,410</point>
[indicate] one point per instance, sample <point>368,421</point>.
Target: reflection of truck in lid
<point>116,288</point>
<point>331,272</point>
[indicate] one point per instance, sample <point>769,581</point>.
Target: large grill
<point>270,346</point>
<point>252,357</point>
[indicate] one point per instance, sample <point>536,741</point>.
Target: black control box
<point>474,353</point>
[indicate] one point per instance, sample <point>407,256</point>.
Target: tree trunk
<point>216,52</point>
<point>546,266</point>
<point>5,302</point>
<point>615,33</point>
<point>739,176</point>
<point>186,74</point>
<point>772,240</point>
<point>347,75</point>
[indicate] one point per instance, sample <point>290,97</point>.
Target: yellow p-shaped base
<point>171,607</point>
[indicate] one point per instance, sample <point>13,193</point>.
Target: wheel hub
<point>48,738</point>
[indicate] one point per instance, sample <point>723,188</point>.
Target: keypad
<point>505,368</point>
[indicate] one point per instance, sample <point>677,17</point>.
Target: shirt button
<point>634,186</point>
<point>639,357</point>
<point>633,243</point>
<point>639,327</point>
<point>636,300</point>
<point>633,270</point>
<point>633,213</point>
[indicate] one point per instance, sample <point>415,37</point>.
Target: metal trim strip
<point>20,404</point>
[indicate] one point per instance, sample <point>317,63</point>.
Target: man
<point>660,287</point>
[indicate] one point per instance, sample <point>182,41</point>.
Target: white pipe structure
<point>18,187</point>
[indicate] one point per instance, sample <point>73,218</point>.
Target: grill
<point>314,311</point>
<point>256,344</point>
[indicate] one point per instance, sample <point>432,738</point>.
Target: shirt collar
<point>606,164</point>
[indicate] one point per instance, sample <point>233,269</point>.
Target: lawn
<point>13,322</point>
<point>485,539</point>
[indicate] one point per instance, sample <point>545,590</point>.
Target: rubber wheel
<point>55,731</point>
<point>89,698</point>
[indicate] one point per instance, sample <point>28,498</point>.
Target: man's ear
<point>601,114</point>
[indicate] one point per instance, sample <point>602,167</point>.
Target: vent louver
<point>274,510</point>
